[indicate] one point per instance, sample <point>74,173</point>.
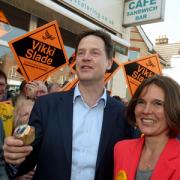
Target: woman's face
<point>150,113</point>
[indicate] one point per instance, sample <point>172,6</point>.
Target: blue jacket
<point>52,117</point>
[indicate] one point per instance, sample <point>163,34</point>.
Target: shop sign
<point>39,52</point>
<point>137,12</point>
<point>108,13</point>
<point>138,70</point>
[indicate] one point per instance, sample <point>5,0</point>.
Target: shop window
<point>133,54</point>
<point>121,49</point>
<point>13,72</point>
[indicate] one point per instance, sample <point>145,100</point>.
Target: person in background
<point>75,130</point>
<point>155,110</point>
<point>31,90</point>
<point>118,98</point>
<point>6,115</point>
<point>6,118</point>
<point>21,93</point>
<point>123,100</point>
<point>35,89</point>
<point>29,93</point>
<point>3,173</point>
<point>3,85</point>
<point>6,123</point>
<point>22,112</point>
<point>11,94</point>
<point>6,108</point>
<point>22,88</point>
<point>22,109</point>
<point>134,131</point>
<point>54,87</point>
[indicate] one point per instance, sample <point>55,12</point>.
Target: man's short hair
<point>101,34</point>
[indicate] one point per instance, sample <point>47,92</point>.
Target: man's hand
<point>15,151</point>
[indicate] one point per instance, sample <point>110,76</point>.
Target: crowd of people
<point>85,134</point>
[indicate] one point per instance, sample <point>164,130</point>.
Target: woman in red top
<point>155,110</point>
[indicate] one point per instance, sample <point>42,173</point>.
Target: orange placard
<point>72,59</point>
<point>138,70</point>
<point>3,17</point>
<point>5,28</point>
<point>39,52</point>
<point>114,68</point>
<point>73,67</point>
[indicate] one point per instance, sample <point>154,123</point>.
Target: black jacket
<point>52,150</point>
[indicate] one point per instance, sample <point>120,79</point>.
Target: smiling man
<point>75,130</point>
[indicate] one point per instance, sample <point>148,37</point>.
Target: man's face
<point>2,87</point>
<point>91,59</point>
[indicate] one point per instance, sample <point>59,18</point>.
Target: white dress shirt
<point>87,124</point>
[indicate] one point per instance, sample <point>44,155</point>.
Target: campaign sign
<point>110,73</point>
<point>141,69</point>
<point>3,17</point>
<point>39,52</point>
<point>72,63</point>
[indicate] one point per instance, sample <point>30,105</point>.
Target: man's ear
<point>109,64</point>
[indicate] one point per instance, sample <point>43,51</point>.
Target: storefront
<point>73,16</point>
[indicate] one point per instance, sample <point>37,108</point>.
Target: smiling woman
<point>149,111</point>
<point>155,110</point>
<point>164,93</point>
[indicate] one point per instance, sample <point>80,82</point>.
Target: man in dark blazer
<point>57,149</point>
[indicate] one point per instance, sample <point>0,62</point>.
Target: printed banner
<point>39,52</point>
<point>110,73</point>
<point>141,69</point>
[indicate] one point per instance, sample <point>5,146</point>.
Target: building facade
<point>73,17</point>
